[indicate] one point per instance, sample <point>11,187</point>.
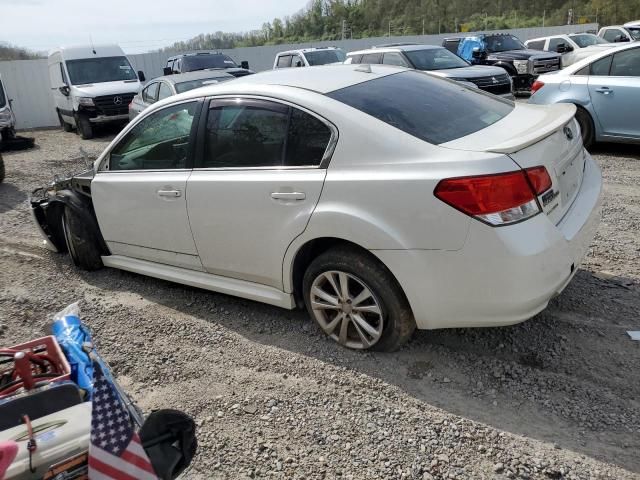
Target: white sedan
<point>382,199</point>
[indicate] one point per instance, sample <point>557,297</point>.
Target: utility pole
<point>343,24</point>
<point>422,25</point>
<point>544,14</point>
<point>485,20</point>
<point>389,28</point>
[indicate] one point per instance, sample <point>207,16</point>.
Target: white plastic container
<point>58,436</point>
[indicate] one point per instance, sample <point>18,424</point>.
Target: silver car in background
<point>606,90</point>
<point>169,85</point>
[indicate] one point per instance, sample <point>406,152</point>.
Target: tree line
<point>344,19</point>
<point>9,52</point>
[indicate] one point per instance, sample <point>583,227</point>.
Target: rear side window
<point>431,109</point>
<point>600,68</point>
<point>284,61</point>
<point>536,45</point>
<point>258,133</point>
<point>371,58</point>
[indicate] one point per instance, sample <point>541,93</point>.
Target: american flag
<point>115,451</point>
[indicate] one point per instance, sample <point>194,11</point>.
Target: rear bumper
<point>501,276</point>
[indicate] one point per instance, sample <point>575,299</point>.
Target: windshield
<point>322,57</point>
<point>191,84</point>
<point>432,109</point>
<point>634,32</point>
<point>3,100</point>
<point>502,43</point>
<point>586,40</point>
<point>99,70</point>
<point>201,62</point>
<point>435,59</point>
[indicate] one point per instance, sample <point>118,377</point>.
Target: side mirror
<point>141,76</point>
<point>298,63</point>
<point>11,103</point>
<point>244,64</point>
<point>561,48</point>
<point>167,71</point>
<point>477,54</point>
<point>621,38</point>
<point>65,91</point>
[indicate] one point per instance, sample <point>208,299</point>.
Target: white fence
<point>27,81</point>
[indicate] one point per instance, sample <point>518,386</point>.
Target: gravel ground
<point>554,397</point>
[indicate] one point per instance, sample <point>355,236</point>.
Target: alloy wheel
<point>346,309</point>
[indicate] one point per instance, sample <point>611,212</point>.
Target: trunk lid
<point>538,135</point>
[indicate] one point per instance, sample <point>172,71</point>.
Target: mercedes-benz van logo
<point>117,100</point>
<point>568,133</point>
<point>494,79</point>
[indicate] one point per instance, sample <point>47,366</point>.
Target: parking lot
<point>555,397</point>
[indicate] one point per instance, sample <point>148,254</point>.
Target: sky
<point>136,25</point>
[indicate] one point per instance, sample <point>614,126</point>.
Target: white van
<point>7,118</point>
<point>92,84</point>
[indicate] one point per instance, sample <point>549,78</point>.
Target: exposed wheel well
<point>310,250</point>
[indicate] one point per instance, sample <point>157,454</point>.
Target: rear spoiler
<point>559,115</point>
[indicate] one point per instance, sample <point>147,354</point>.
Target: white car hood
<point>105,88</point>
<point>524,126</point>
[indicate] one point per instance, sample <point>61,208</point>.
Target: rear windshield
<point>99,70</point>
<point>433,109</point>
<point>200,62</point>
<point>435,59</point>
<point>322,57</point>
<point>191,84</point>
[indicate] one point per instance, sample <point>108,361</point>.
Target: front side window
<point>355,59</point>
<point>394,58</point>
<point>502,43</point>
<point>601,67</point>
<point>435,59</point>
<point>626,63</point>
<point>150,93</point>
<point>324,57</point>
<point>431,109</point>
<point>258,133</point>
<point>611,34</point>
<point>584,40</point>
<point>159,142</point>
<point>100,70</point>
<point>164,91</point>
<point>555,42</point>
<point>296,61</point>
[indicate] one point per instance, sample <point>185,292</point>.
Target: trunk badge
<point>568,133</point>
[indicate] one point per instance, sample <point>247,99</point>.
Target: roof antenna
<point>92,47</point>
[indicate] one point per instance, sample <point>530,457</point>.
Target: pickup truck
<point>508,52</point>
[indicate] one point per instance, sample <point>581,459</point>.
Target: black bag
<point>169,438</point>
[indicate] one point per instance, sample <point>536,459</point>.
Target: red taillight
<point>537,85</point>
<point>494,199</point>
<point>539,178</point>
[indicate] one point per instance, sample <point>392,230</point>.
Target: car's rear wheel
<point>356,301</point>
<point>81,242</point>
<point>586,126</point>
<point>84,127</point>
<point>2,173</point>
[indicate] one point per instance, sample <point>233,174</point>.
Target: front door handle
<point>169,193</point>
<point>604,90</point>
<point>288,196</point>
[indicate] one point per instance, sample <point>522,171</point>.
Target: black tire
<point>8,134</point>
<point>586,127</point>
<point>398,323</point>
<point>84,127</point>
<point>2,173</point>
<point>67,127</point>
<point>82,244</point>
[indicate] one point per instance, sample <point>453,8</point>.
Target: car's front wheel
<point>81,242</point>
<point>84,127</point>
<point>356,301</point>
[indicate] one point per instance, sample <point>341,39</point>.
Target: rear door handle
<point>604,90</point>
<point>288,196</point>
<point>169,193</point>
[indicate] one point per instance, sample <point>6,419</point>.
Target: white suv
<point>309,57</point>
<point>382,199</point>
